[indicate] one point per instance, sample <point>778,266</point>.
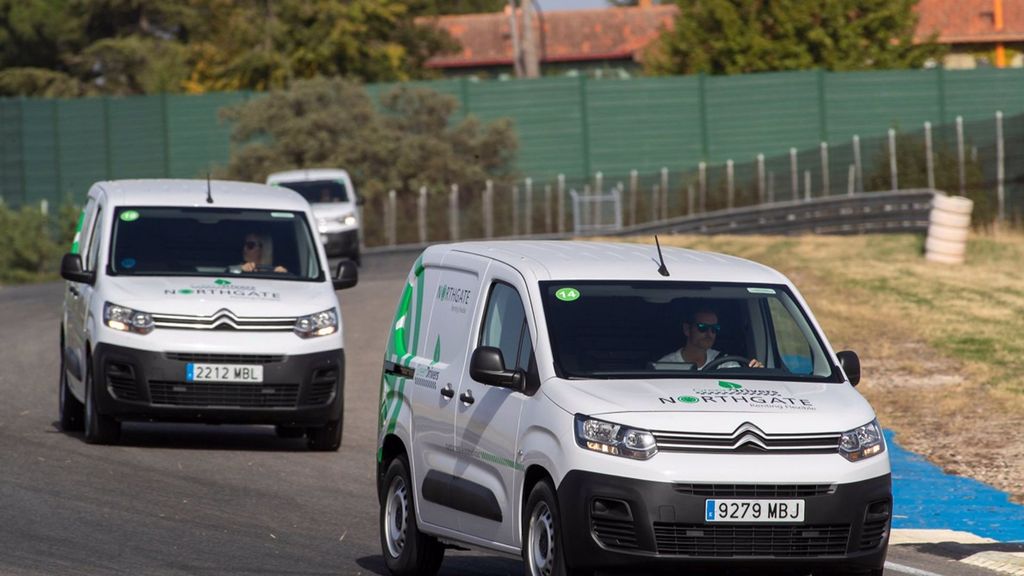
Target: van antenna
<point>209,190</point>
<point>661,269</point>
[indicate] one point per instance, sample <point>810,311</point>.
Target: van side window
<point>505,327</point>
<point>94,240</point>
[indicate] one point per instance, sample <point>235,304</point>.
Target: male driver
<point>701,329</point>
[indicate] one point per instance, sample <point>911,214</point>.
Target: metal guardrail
<point>864,213</point>
<point>872,212</point>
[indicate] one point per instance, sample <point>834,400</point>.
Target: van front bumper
<point>628,524</point>
<point>344,243</point>
<point>300,390</point>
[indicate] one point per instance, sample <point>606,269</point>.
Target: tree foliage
<point>740,36</point>
<point>148,46</point>
<point>413,139</point>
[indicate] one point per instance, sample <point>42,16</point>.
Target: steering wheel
<point>717,362</point>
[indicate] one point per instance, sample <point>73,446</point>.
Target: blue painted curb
<point>926,497</point>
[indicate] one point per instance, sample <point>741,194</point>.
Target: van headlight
<point>348,220</point>
<point>126,319</point>
<point>322,323</point>
<point>614,439</point>
<point>862,442</point>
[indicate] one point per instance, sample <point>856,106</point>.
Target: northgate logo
<point>446,293</point>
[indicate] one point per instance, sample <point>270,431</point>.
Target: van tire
<point>326,438</point>
<point>543,552</point>
<point>72,412</point>
<point>406,550</point>
<point>99,428</point>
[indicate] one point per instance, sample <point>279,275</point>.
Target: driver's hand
<point>280,269</point>
<point>755,363</point>
<point>249,267</point>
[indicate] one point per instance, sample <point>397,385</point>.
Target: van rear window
<point>186,241</point>
<point>681,329</point>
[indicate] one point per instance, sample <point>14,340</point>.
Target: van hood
<point>713,405</point>
<point>203,296</point>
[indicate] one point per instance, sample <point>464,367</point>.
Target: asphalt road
<point>192,499</point>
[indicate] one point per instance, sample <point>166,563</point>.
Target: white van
<point>200,301</point>
<point>603,406</point>
<point>335,205</point>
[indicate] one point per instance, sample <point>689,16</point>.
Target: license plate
<point>754,510</point>
<point>223,373</point>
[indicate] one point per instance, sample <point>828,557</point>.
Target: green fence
<point>53,149</point>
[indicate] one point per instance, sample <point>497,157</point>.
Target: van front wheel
<point>543,553</point>
<point>407,551</point>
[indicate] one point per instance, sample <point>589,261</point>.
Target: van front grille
<point>804,541</point>
<point>754,490</point>
<point>747,438</point>
<point>614,533</point>
<point>224,358</point>
<point>224,319</point>
<point>223,394</point>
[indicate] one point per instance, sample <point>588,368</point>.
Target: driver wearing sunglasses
<point>701,329</point>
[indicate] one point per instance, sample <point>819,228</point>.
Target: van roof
<point>572,260</point>
<point>307,174</point>
<point>225,193</point>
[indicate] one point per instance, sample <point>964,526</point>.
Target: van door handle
<point>448,392</point>
<point>467,397</point>
<point>73,290</point>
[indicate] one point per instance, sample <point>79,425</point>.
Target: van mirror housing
<point>71,269</point>
<point>487,366</point>
<point>347,275</point>
<point>851,365</point>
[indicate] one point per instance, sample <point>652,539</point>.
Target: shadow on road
<point>461,564</point>
<point>200,436</point>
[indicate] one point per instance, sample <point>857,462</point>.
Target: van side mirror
<point>487,366</point>
<point>360,200</point>
<point>71,269</point>
<point>851,365</point>
<point>347,275</point>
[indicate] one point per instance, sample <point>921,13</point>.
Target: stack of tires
<point>948,225</point>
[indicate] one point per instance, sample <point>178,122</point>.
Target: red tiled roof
<point>620,33</point>
<point>970,21</point>
<point>579,35</point>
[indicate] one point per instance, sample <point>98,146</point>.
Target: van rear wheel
<point>406,550</point>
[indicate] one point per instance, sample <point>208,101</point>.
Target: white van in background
<point>334,200</point>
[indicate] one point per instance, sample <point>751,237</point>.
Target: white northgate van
<point>335,204</point>
<point>594,407</point>
<point>199,301</point>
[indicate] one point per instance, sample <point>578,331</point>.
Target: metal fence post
<point>664,190</point>
<point>960,154</point>
<point>392,214</point>
<point>654,202</point>
<point>929,157</point>
<point>807,185</point>
<point>421,213</point>
<point>595,206</point>
<point>44,207</point>
<point>893,168</point>
<point>515,210</point>
<point>528,188</point>
<point>1000,167</point>
<point>689,199</point>
<point>453,213</point>
<point>634,178</point>
<point>851,180</point>
<point>488,205</point>
<point>730,190</point>
<point>794,173</point>
<point>547,208</point>
<point>859,176</point>
<point>702,177</point>
<point>561,203</point>
<point>760,178</point>
<point>826,185</point>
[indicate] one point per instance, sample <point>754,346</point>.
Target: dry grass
<point>941,347</point>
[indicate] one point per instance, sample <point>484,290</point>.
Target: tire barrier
<point>948,226</point>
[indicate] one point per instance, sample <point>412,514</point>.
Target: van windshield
<point>320,191</point>
<point>680,330</point>
<point>180,241</point>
